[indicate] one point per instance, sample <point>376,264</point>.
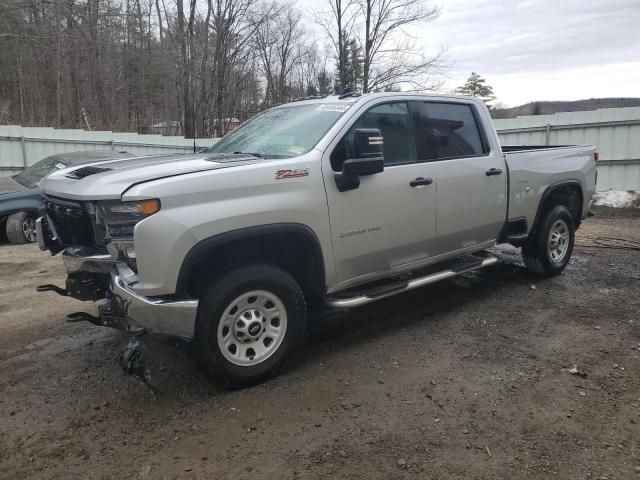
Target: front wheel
<point>248,322</point>
<point>552,246</point>
<point>21,228</point>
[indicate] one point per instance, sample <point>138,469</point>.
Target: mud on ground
<point>470,378</point>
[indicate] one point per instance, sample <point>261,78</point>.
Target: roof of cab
<point>360,97</point>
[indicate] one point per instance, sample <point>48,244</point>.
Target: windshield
<point>30,177</point>
<point>282,132</point>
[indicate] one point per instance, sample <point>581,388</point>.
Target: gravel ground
<point>470,378</point>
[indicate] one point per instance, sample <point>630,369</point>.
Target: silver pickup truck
<point>326,202</point>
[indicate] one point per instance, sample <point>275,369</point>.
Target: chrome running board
<point>482,260</point>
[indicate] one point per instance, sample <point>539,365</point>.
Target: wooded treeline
<point>190,67</point>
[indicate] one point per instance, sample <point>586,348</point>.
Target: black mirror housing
<point>369,159</point>
<point>369,143</point>
<point>362,166</point>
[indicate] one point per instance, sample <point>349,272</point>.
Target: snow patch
<point>617,199</point>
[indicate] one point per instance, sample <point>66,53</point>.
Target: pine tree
<point>324,83</point>
<point>476,86</point>
<point>354,65</point>
<point>351,76</point>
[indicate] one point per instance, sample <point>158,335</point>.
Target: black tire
<point>220,296</point>
<point>15,228</point>
<point>3,230</point>
<point>540,257</point>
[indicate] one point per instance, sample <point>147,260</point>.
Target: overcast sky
<point>538,49</point>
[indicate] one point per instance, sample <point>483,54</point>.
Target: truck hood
<point>111,178</point>
<point>9,185</point>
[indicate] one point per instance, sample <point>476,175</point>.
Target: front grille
<point>70,220</point>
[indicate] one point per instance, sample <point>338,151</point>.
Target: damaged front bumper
<point>87,259</point>
<point>165,315</point>
<point>93,274</point>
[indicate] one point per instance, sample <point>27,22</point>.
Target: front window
<point>30,177</point>
<point>394,122</point>
<point>282,132</point>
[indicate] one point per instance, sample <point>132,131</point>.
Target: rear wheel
<point>551,249</point>
<point>248,323</point>
<point>21,228</point>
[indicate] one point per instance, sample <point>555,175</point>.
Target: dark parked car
<point>20,195</point>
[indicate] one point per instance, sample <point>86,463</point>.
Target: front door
<point>389,221</point>
<point>471,177</point>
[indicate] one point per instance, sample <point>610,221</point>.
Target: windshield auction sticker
<point>334,107</point>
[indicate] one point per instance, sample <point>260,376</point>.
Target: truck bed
<point>532,169</point>
<point>525,148</point>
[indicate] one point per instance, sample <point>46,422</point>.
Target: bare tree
<point>185,38</point>
<point>338,24</point>
<point>279,42</point>
<point>165,87</point>
<point>193,67</point>
<point>233,27</point>
<point>389,60</point>
<point>387,55</point>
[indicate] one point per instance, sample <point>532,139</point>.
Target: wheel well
<point>568,195</point>
<point>31,211</point>
<point>295,250</point>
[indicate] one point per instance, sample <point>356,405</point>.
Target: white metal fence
<point>23,146</point>
<point>615,131</point>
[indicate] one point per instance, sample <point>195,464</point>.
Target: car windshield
<point>282,132</point>
<point>30,177</point>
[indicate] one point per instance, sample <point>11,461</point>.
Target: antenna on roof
<point>348,92</point>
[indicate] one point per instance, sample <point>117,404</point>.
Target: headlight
<point>129,210</point>
<point>120,218</point>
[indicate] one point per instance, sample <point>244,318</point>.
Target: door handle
<point>493,171</point>
<point>421,182</point>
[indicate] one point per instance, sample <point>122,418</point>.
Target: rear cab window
<point>447,130</point>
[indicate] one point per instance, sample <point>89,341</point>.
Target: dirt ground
<point>470,378</point>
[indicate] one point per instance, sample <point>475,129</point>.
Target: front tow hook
<point>49,287</point>
<point>83,317</point>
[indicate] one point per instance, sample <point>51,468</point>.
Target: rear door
<point>386,223</point>
<point>471,177</point>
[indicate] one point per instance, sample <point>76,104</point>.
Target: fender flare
<point>547,193</point>
<point>10,207</point>
<point>203,247</point>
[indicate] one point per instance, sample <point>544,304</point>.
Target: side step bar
<point>483,261</point>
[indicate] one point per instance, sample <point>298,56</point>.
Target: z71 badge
<point>300,172</point>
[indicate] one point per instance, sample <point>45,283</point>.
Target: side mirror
<point>369,143</point>
<point>442,140</point>
<point>362,166</point>
<point>369,159</point>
